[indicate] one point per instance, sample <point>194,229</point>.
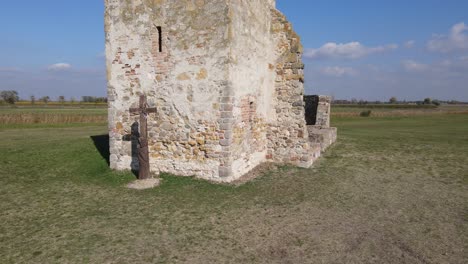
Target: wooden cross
<point>143,152</point>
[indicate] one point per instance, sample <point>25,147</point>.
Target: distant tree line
<point>93,99</point>
<point>11,97</point>
<point>394,100</point>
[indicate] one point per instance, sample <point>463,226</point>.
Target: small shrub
<point>36,119</point>
<point>365,113</point>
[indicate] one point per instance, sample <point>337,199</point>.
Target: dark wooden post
<point>143,151</point>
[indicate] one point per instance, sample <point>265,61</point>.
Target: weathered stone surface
<point>144,184</point>
<point>226,78</point>
<point>324,136</point>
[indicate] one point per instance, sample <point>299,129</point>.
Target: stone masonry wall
<point>288,136</point>
<point>227,80</point>
<point>252,79</point>
<point>323,111</point>
<point>176,53</point>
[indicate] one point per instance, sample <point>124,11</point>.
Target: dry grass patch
<point>51,116</point>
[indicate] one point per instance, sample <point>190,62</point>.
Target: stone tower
<point>226,77</point>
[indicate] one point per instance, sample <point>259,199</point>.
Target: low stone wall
<point>317,110</point>
<point>317,115</point>
<point>324,136</point>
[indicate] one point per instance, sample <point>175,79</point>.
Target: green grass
<point>392,190</point>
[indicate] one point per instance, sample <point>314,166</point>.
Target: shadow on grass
<point>101,143</point>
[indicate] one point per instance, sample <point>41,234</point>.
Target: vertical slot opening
<point>160,38</point>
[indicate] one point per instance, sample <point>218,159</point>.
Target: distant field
<point>391,190</point>
<point>59,105</point>
<point>50,115</point>
<point>397,110</point>
<point>387,106</point>
<point>89,113</point>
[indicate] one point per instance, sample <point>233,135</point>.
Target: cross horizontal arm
<point>151,110</point>
<point>135,110</point>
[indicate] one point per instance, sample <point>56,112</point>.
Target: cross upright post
<point>143,152</point>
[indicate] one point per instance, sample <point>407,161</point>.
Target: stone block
<point>324,136</point>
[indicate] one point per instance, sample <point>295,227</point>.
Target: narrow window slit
<point>160,38</point>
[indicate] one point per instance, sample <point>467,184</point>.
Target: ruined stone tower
<point>226,77</point>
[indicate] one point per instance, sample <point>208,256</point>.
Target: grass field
<point>397,111</point>
<point>391,190</point>
<point>30,116</point>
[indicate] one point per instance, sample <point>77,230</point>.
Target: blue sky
<point>359,49</point>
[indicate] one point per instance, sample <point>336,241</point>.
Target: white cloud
<point>439,79</point>
<point>409,44</point>
<point>337,71</point>
<point>351,50</point>
<point>456,40</point>
<point>445,67</point>
<point>413,66</point>
<point>59,67</point>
